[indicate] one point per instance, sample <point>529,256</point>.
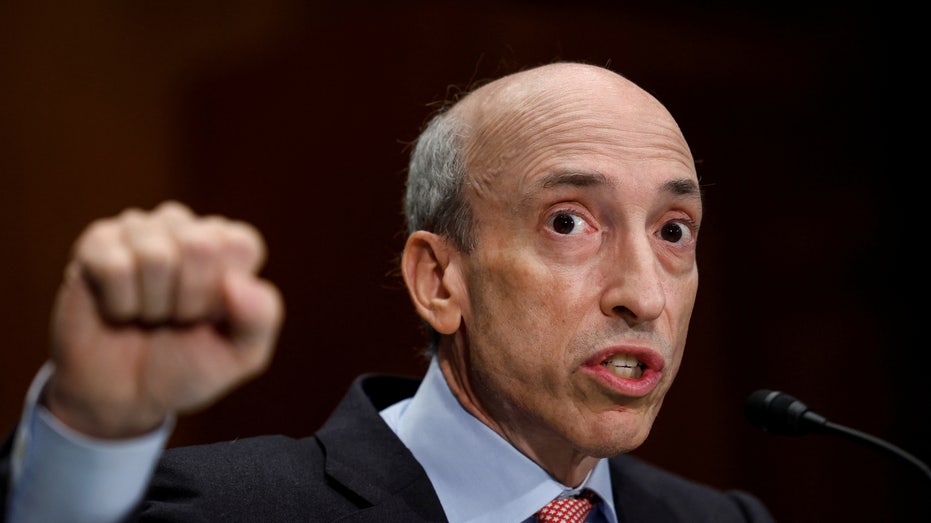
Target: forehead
<point>569,118</point>
<point>586,141</point>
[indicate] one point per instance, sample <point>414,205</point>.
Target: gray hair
<point>435,198</point>
<point>436,178</point>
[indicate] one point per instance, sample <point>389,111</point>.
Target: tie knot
<point>566,510</point>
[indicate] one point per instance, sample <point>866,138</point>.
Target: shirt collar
<point>478,476</point>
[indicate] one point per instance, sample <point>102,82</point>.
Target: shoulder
<point>239,480</point>
<point>279,455</point>
<point>645,492</point>
<point>341,469</point>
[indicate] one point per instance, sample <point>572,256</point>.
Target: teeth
<point>625,366</point>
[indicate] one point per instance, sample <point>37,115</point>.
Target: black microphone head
<point>778,413</point>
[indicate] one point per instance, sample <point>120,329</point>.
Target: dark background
<point>297,117</point>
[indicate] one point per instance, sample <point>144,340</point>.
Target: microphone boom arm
<point>779,413</point>
<point>862,437</point>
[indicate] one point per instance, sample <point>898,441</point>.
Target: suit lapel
<point>365,457</point>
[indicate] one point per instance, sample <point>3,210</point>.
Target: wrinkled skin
<point>587,208</point>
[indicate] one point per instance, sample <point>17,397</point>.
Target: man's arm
<point>92,480</point>
<point>159,313</point>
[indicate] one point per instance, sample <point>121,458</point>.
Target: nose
<point>633,277</point>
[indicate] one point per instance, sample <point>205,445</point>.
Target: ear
<point>430,278</point>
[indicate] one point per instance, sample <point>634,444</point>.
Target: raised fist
<point>160,312</point>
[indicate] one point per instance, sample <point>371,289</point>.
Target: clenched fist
<point>160,312</point>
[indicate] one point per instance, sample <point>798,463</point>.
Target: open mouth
<point>624,366</point>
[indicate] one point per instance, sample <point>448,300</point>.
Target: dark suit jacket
<point>356,469</point>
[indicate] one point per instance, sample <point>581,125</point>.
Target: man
<point>553,218</point>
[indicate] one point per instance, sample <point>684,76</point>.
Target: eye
<point>675,232</point>
<point>566,223</point>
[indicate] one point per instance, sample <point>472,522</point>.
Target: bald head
<point>547,87</point>
<point>519,122</point>
<point>512,121</point>
<point>504,121</point>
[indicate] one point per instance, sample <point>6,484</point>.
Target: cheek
<point>680,302</point>
<point>683,297</point>
<point>522,319</point>
<point>528,288</point>
<point>681,289</point>
<point>508,299</point>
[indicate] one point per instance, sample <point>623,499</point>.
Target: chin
<point>617,448</point>
<point>613,439</point>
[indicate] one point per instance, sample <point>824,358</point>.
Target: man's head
<point>563,274</point>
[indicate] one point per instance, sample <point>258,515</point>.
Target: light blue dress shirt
<point>479,476</point>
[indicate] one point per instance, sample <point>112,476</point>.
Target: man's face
<point>584,273</point>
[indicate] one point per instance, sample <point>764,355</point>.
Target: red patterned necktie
<point>565,510</point>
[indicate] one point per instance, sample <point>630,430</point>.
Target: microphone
<point>779,413</point>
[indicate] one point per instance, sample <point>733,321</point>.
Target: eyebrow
<point>575,179</point>
<point>678,187</point>
<point>683,187</point>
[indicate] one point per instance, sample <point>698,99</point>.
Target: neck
<point>549,450</point>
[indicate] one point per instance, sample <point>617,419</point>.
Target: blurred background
<point>297,117</point>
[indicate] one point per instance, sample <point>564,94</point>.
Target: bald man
<point>553,218</point>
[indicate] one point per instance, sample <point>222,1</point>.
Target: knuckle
<point>110,262</point>
<point>245,245</point>
<point>131,214</point>
<point>173,207</point>
<point>198,239</point>
<point>156,253</point>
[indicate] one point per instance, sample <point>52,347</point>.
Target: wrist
<point>100,418</point>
